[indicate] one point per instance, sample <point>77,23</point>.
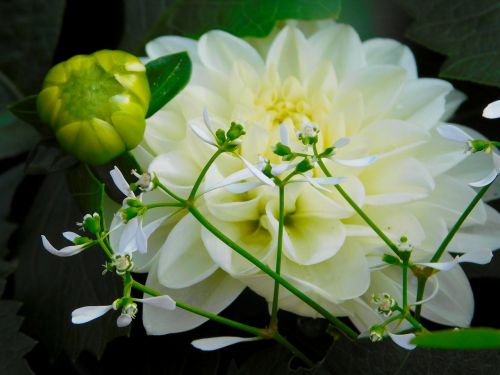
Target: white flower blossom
<point>492,110</point>
<point>368,92</point>
<point>68,250</point>
<point>214,343</point>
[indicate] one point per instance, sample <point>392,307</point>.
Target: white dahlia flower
<point>369,92</point>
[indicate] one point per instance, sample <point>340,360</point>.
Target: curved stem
<point>335,321</point>
<point>105,247</point>
<point>168,191</point>
<point>229,322</point>
<point>203,172</point>
<point>358,209</point>
<point>164,204</point>
<point>281,218</point>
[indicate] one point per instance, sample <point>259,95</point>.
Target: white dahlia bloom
<point>321,73</point>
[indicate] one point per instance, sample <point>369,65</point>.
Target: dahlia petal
<point>167,45</point>
<point>453,133</point>
<point>486,180</point>
<point>403,341</point>
<point>183,260</point>
<point>213,294</point>
<point>361,162</point>
<point>242,187</point>
<point>381,51</point>
<point>453,100</point>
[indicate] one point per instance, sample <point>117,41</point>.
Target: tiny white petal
<point>214,343</point>
<point>278,169</point>
<point>284,135</point>
<point>453,133</point>
<point>88,313</point>
<point>204,136</point>
<point>163,302</point>
<point>71,236</point>
<point>341,142</point>
<point>442,266</point>
<point>492,110</point>
<point>154,225</point>
<point>362,162</point>
<point>120,182</point>
<point>261,176</point>
<point>123,320</point>
<point>65,251</point>
<point>243,187</point>
<point>141,240</point>
<point>480,256</point>
<point>207,120</point>
<point>403,341</point>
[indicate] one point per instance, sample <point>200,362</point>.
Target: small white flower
<point>122,263</point>
<point>384,303</point>
<point>479,256</point>
<point>492,110</point>
<point>453,133</point>
<point>144,181</point>
<point>214,343</point>
<point>88,313</point>
<point>68,250</point>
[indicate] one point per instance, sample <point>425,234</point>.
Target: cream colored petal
<point>314,203</point>
<point>183,259</point>
<point>422,102</point>
<point>380,51</point>
<point>251,235</point>
<point>233,207</point>
<point>289,54</point>
<point>453,100</point>
<point>392,181</point>
<point>219,50</point>
<point>404,136</point>
<point>379,85</point>
<point>344,276</point>
<point>164,130</point>
<point>341,45</point>
<point>213,294</point>
<point>167,45</point>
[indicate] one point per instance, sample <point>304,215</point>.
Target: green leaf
<point>465,31</point>
<point>15,137</point>
<point>468,338</point>
<point>242,18</point>
<point>29,32</point>
<point>51,287</point>
<point>13,344</point>
<point>167,76</point>
<point>86,189</point>
<point>26,110</point>
<point>9,181</point>
<point>48,157</point>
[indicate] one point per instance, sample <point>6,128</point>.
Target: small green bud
<point>235,131</point>
<point>134,202</point>
<point>82,240</point>
<point>282,150</point>
<point>92,223</point>
<point>305,165</point>
<point>268,169</point>
<point>376,333</point>
<point>96,104</point>
<point>289,157</point>
<point>477,145</point>
<point>328,152</point>
<point>130,212</point>
<point>221,136</point>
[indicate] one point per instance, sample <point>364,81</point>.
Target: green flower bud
<point>305,165</point>
<point>96,104</point>
<point>235,131</point>
<point>477,145</point>
<point>281,150</point>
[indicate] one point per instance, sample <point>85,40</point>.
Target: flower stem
<point>168,191</point>
<point>444,244</point>
<point>407,315</point>
<point>229,322</point>
<point>358,209</point>
<point>105,247</point>
<point>203,172</point>
<point>335,321</point>
<point>164,204</point>
<point>281,218</point>
<point>406,260</point>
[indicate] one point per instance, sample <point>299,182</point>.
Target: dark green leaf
<point>51,287</point>
<point>29,32</point>
<point>48,157</point>
<point>240,17</point>
<point>385,358</point>
<point>469,338</point>
<point>15,136</point>
<point>86,189</point>
<point>167,76</point>
<point>25,110</point>
<point>466,31</point>
<point>13,344</point>
<point>9,181</point>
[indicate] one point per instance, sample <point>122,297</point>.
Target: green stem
<point>406,260</point>
<point>407,315</point>
<point>229,322</point>
<point>168,191</point>
<point>421,281</point>
<point>105,247</point>
<point>164,204</point>
<point>195,310</point>
<point>458,224</point>
<point>358,209</point>
<point>127,284</point>
<point>203,173</point>
<point>281,218</point>
<point>335,321</point>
